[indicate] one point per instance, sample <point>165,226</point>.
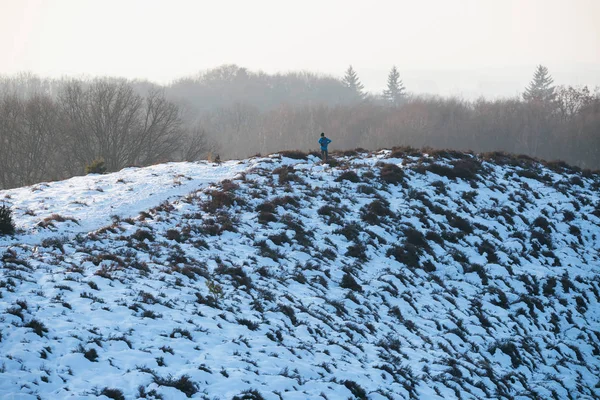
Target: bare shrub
<point>391,173</point>
<point>348,282</point>
<point>7,226</point>
<point>294,154</point>
<point>350,176</point>
<point>96,167</point>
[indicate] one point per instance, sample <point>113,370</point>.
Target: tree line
<point>47,135</point>
<point>52,129</point>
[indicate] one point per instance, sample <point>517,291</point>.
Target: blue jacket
<point>324,142</point>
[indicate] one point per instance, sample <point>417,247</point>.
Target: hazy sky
<point>464,47</point>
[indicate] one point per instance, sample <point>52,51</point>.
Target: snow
<point>285,325</point>
<point>93,200</point>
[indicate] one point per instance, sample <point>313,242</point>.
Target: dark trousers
<point>324,154</point>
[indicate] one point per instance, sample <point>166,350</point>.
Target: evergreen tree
<point>395,91</point>
<point>352,82</point>
<point>540,90</point>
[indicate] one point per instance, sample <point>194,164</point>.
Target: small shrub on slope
<point>114,394</point>
<point>183,384</point>
<point>38,327</point>
<point>391,173</point>
<point>250,394</point>
<point>294,154</point>
<point>357,391</point>
<point>287,174</point>
<point>7,227</point>
<point>348,176</point>
<point>219,199</point>
<point>348,282</point>
<point>96,167</point>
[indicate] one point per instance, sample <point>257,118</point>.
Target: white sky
<point>466,47</point>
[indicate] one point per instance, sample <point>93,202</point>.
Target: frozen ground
<point>381,276</point>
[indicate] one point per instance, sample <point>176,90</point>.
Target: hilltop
<point>384,275</point>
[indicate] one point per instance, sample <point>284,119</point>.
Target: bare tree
<point>109,120</point>
<point>197,145</point>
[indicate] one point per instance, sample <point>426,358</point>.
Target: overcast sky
<point>458,47</point>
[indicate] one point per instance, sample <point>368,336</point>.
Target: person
<point>324,142</point>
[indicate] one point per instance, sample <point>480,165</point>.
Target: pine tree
<point>540,90</point>
<point>395,91</point>
<point>352,82</point>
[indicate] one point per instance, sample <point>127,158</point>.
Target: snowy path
<point>93,200</point>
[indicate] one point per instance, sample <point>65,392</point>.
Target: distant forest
<point>53,128</point>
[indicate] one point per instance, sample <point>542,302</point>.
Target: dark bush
<point>437,169</point>
<point>464,168</point>
<point>288,312</point>
<point>467,168</point>
<point>183,384</point>
<point>266,207</point>
<point>596,211</point>
<point>500,158</point>
<point>350,231</point>
<point>435,237</point>
<point>501,300</point>
<point>294,154</point>
<point>265,217</point>
<point>568,216</point>
<point>365,189</point>
<point>575,180</point>
<point>142,235</point>
<point>542,238</point>
<point>460,223</point>
<point>333,213</point>
<point>91,355</point>
<point>279,238</point>
<point>415,238</point>
<point>96,167</point>
<point>355,152</point>
<point>373,211</point>
<point>358,251</point>
<point>174,234</point>
<point>479,270</point>
<point>7,226</point>
<point>404,151</point>
<point>250,394</point>
<point>252,325</point>
<point>38,327</point>
<point>391,173</point>
<point>407,254</point>
<point>348,176</point>
<point>447,153</point>
<point>357,391</point>
<point>114,394</point>
<point>561,167</point>
<point>543,223</point>
<point>549,286</point>
<point>286,174</point>
<point>510,349</point>
<point>534,174</point>
<point>285,201</point>
<point>219,199</point>
<point>440,188</point>
<point>237,274</point>
<point>348,282</point>
<point>490,250</point>
<point>178,332</point>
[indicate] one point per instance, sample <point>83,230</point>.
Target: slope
<point>388,275</point>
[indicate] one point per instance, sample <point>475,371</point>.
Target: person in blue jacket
<point>324,142</point>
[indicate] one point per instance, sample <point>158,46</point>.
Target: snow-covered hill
<point>378,276</point>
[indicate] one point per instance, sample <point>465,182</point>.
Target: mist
<point>238,78</point>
